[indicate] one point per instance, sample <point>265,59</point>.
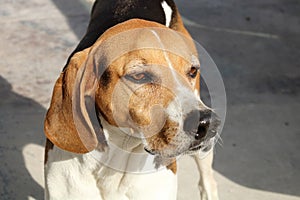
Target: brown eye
<point>193,72</point>
<point>139,78</point>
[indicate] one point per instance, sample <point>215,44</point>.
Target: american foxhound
<point>126,106</point>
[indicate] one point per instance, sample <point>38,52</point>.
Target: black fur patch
<point>106,14</point>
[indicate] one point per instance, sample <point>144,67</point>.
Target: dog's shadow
<point>20,125</point>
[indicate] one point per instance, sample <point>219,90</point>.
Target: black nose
<point>197,123</point>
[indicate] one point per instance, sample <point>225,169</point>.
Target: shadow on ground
<point>20,124</point>
<point>77,14</point>
<point>262,80</point>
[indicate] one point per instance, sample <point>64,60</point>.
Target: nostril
<point>197,123</point>
<point>202,129</point>
<point>198,136</point>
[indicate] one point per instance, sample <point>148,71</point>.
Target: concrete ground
<point>256,46</point>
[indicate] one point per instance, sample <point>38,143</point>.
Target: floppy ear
<point>71,122</point>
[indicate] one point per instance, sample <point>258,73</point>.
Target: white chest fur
<point>76,176</point>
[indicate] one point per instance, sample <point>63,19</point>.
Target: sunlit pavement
<point>256,47</point>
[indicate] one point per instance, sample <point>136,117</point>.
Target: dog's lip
<point>203,146</point>
<point>195,148</point>
<point>204,143</point>
<point>149,151</point>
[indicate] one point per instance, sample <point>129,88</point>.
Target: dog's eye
<point>193,72</point>
<point>139,78</point>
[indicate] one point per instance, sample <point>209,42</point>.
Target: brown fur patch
<point>59,124</point>
<point>164,139</point>
<point>173,167</point>
<point>145,98</point>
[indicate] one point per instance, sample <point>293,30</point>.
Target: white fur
<point>168,12</point>
<point>166,56</point>
<point>207,183</point>
<point>71,176</point>
<point>81,176</point>
<point>108,175</point>
<point>125,153</point>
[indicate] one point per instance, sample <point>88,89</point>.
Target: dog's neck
<point>126,152</point>
<point>122,138</point>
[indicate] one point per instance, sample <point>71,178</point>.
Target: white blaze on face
<point>196,92</point>
<point>186,99</point>
<point>174,74</point>
<point>168,12</point>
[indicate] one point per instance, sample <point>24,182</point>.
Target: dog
<point>125,107</point>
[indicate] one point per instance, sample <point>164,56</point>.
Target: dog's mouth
<point>203,146</point>
<point>151,152</point>
<point>207,142</point>
<point>196,146</point>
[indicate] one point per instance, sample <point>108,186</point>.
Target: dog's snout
<point>197,123</point>
<point>191,121</point>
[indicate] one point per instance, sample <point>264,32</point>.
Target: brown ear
<point>71,122</point>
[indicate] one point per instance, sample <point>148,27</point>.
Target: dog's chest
<point>75,176</point>
<point>159,185</point>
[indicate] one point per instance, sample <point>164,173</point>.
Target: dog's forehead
<point>164,39</point>
<point>157,62</point>
<point>161,41</point>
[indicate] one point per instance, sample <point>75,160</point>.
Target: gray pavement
<point>256,46</point>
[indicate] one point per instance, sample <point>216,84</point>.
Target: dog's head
<point>150,88</point>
